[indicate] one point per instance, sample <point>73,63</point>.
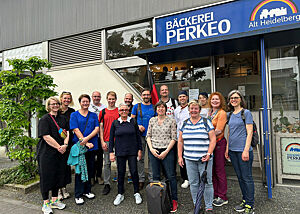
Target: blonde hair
<point>66,93</point>
<point>194,102</point>
<point>48,103</point>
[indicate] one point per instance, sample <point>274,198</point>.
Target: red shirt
<point>109,117</point>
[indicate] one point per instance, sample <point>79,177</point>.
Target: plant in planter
<point>284,125</point>
<point>23,90</point>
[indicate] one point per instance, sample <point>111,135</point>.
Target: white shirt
<point>170,108</point>
<point>204,112</point>
<point>96,109</point>
<point>181,114</point>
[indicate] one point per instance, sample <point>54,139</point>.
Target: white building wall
<point>85,80</point>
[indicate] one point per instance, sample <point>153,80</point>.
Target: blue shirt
<point>196,139</point>
<point>237,131</point>
<point>147,113</point>
<point>79,121</point>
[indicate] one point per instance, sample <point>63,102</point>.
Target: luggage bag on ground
<point>158,197</point>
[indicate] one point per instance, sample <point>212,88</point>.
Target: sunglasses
<point>123,110</point>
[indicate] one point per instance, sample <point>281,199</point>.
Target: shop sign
<point>225,19</point>
<point>290,154</point>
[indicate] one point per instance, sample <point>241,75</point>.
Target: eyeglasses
<point>123,110</point>
<point>54,104</point>
<point>97,96</point>
<point>234,98</point>
<point>66,92</point>
<point>146,95</point>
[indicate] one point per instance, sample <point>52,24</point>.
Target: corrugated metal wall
<point>31,21</point>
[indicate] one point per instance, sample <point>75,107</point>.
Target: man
<point>106,118</point>
<point>128,100</point>
<point>181,114</point>
<point>143,112</point>
<point>96,107</point>
<point>170,102</point>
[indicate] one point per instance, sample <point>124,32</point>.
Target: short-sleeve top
<point>47,127</point>
<point>147,113</point>
<point>238,131</point>
<point>196,139</point>
<point>109,117</point>
<point>161,135</point>
<point>78,121</point>
<point>219,122</point>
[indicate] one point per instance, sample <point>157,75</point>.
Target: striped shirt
<point>196,139</point>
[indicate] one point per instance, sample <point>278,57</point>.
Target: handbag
<point>62,132</point>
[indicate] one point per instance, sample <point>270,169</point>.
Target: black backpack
<point>255,137</point>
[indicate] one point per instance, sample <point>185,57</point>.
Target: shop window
<point>185,75</point>
<point>122,42</point>
<point>240,71</point>
<point>284,68</point>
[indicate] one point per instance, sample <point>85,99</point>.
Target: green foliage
<point>23,90</point>
<point>17,175</point>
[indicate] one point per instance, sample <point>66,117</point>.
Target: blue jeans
<point>194,171</point>
<point>243,170</point>
<point>168,164</point>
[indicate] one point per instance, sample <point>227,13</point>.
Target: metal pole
<point>266,134</point>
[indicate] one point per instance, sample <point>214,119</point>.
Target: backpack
<point>204,120</point>
<point>255,137</point>
<point>102,116</point>
<point>158,197</point>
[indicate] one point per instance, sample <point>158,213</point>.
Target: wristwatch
<point>208,154</point>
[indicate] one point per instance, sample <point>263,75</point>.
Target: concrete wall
<point>82,80</point>
<point>32,21</point>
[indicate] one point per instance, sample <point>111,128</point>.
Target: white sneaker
<point>57,205</point>
<point>79,201</point>
<point>46,208</point>
<point>118,199</point>
<point>89,195</point>
<point>65,193</point>
<point>138,198</point>
<point>185,184</point>
<point>60,195</point>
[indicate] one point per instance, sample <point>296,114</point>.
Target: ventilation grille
<point>75,49</point>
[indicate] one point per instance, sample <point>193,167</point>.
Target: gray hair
<point>243,101</point>
<point>122,104</point>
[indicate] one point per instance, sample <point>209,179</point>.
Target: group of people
<point>188,134</point>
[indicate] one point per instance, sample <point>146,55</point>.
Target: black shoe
<point>106,189</point>
<point>241,207</point>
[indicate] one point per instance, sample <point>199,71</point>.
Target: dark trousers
<point>168,165</point>
<point>121,165</point>
<point>218,173</point>
<point>183,172</point>
<point>85,187</point>
<point>45,195</point>
<point>243,170</point>
<point>99,160</point>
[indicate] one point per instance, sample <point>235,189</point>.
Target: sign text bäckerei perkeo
<point>225,19</point>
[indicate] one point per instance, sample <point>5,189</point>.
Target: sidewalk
<point>285,201</point>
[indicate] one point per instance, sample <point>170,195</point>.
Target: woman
<point>203,96</point>
<point>197,140</point>
<point>50,153</point>
<point>161,137</point>
<point>85,126</point>
<point>239,148</point>
<point>218,117</point>
<point>66,100</point>
<point>125,139</point>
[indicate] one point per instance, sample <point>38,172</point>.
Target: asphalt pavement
<point>285,201</point>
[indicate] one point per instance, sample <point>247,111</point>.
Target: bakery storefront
<point>249,45</point>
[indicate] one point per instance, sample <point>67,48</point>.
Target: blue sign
<point>225,19</point>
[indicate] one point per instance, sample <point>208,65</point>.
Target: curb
<point>22,188</point>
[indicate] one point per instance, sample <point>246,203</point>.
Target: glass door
<point>241,71</point>
<point>283,65</point>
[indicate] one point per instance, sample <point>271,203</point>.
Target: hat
<point>183,92</point>
<point>204,94</point>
